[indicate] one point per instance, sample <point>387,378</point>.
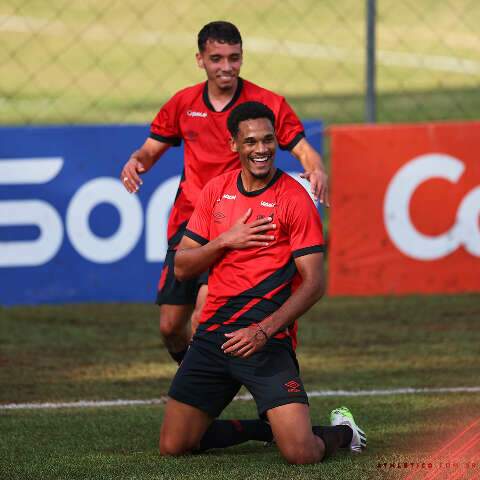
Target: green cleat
<point>343,416</point>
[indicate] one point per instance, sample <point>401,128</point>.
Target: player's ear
<point>199,59</point>
<point>233,145</point>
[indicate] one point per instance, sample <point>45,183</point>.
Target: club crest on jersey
<point>229,197</point>
<point>191,113</point>
<point>190,135</point>
<point>266,204</point>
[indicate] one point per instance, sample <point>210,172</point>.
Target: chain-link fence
<point>82,61</point>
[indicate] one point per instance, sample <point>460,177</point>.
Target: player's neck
<point>220,98</point>
<point>251,183</point>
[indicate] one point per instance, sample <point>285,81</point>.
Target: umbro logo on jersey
<point>191,113</point>
<point>266,204</point>
<point>229,197</point>
<point>219,217</point>
<point>292,386</point>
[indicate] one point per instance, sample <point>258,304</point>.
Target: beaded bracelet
<point>260,329</point>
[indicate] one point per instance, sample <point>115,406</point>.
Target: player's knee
<point>301,458</point>
<point>301,454</point>
<point>172,447</point>
<point>170,324</point>
<point>167,328</point>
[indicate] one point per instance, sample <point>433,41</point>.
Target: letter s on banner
<point>30,253</point>
<point>399,226</point>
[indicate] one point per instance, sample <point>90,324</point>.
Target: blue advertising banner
<point>69,232</point>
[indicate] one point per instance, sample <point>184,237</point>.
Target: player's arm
<point>141,161</point>
<point>246,341</point>
<point>315,171</point>
<point>309,292</point>
<point>195,256</point>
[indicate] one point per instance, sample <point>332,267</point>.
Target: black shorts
<point>208,379</point>
<point>174,292</point>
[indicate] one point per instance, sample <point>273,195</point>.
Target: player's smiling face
<point>256,145</point>
<point>222,63</point>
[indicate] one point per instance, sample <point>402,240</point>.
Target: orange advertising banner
<point>405,215</point>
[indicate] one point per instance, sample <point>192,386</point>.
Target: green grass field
<point>104,61</point>
<point>94,352</point>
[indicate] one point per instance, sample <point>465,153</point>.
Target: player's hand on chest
<point>263,218</point>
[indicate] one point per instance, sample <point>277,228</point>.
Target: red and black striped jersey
<point>246,286</point>
<point>189,116</point>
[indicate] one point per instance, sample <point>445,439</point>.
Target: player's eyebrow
<point>268,137</point>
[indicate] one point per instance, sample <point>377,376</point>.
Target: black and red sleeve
<point>289,128</point>
<point>304,225</point>
<point>165,126</point>
<point>198,227</point>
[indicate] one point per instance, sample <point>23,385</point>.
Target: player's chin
<point>260,174</point>
<point>225,83</point>
<point>260,171</point>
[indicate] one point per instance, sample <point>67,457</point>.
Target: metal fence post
<point>370,110</point>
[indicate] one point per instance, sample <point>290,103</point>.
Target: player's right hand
<point>247,235</point>
<point>130,175</point>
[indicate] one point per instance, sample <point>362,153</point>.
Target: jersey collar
<point>242,190</point>
<point>230,104</point>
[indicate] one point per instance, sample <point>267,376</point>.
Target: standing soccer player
<point>260,234</point>
<point>197,115</point>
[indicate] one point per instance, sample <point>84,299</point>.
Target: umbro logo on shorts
<point>191,113</point>
<point>292,386</point>
<point>229,197</point>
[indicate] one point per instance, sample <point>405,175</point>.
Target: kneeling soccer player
<point>261,236</point>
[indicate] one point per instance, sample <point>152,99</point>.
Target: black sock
<point>334,437</point>
<point>178,356</point>
<point>225,433</point>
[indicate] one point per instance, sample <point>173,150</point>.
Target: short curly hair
<point>248,111</point>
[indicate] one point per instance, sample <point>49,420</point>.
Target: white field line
<point>98,32</point>
<point>246,397</point>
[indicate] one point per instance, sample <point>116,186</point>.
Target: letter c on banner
<point>115,247</point>
<point>400,228</point>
